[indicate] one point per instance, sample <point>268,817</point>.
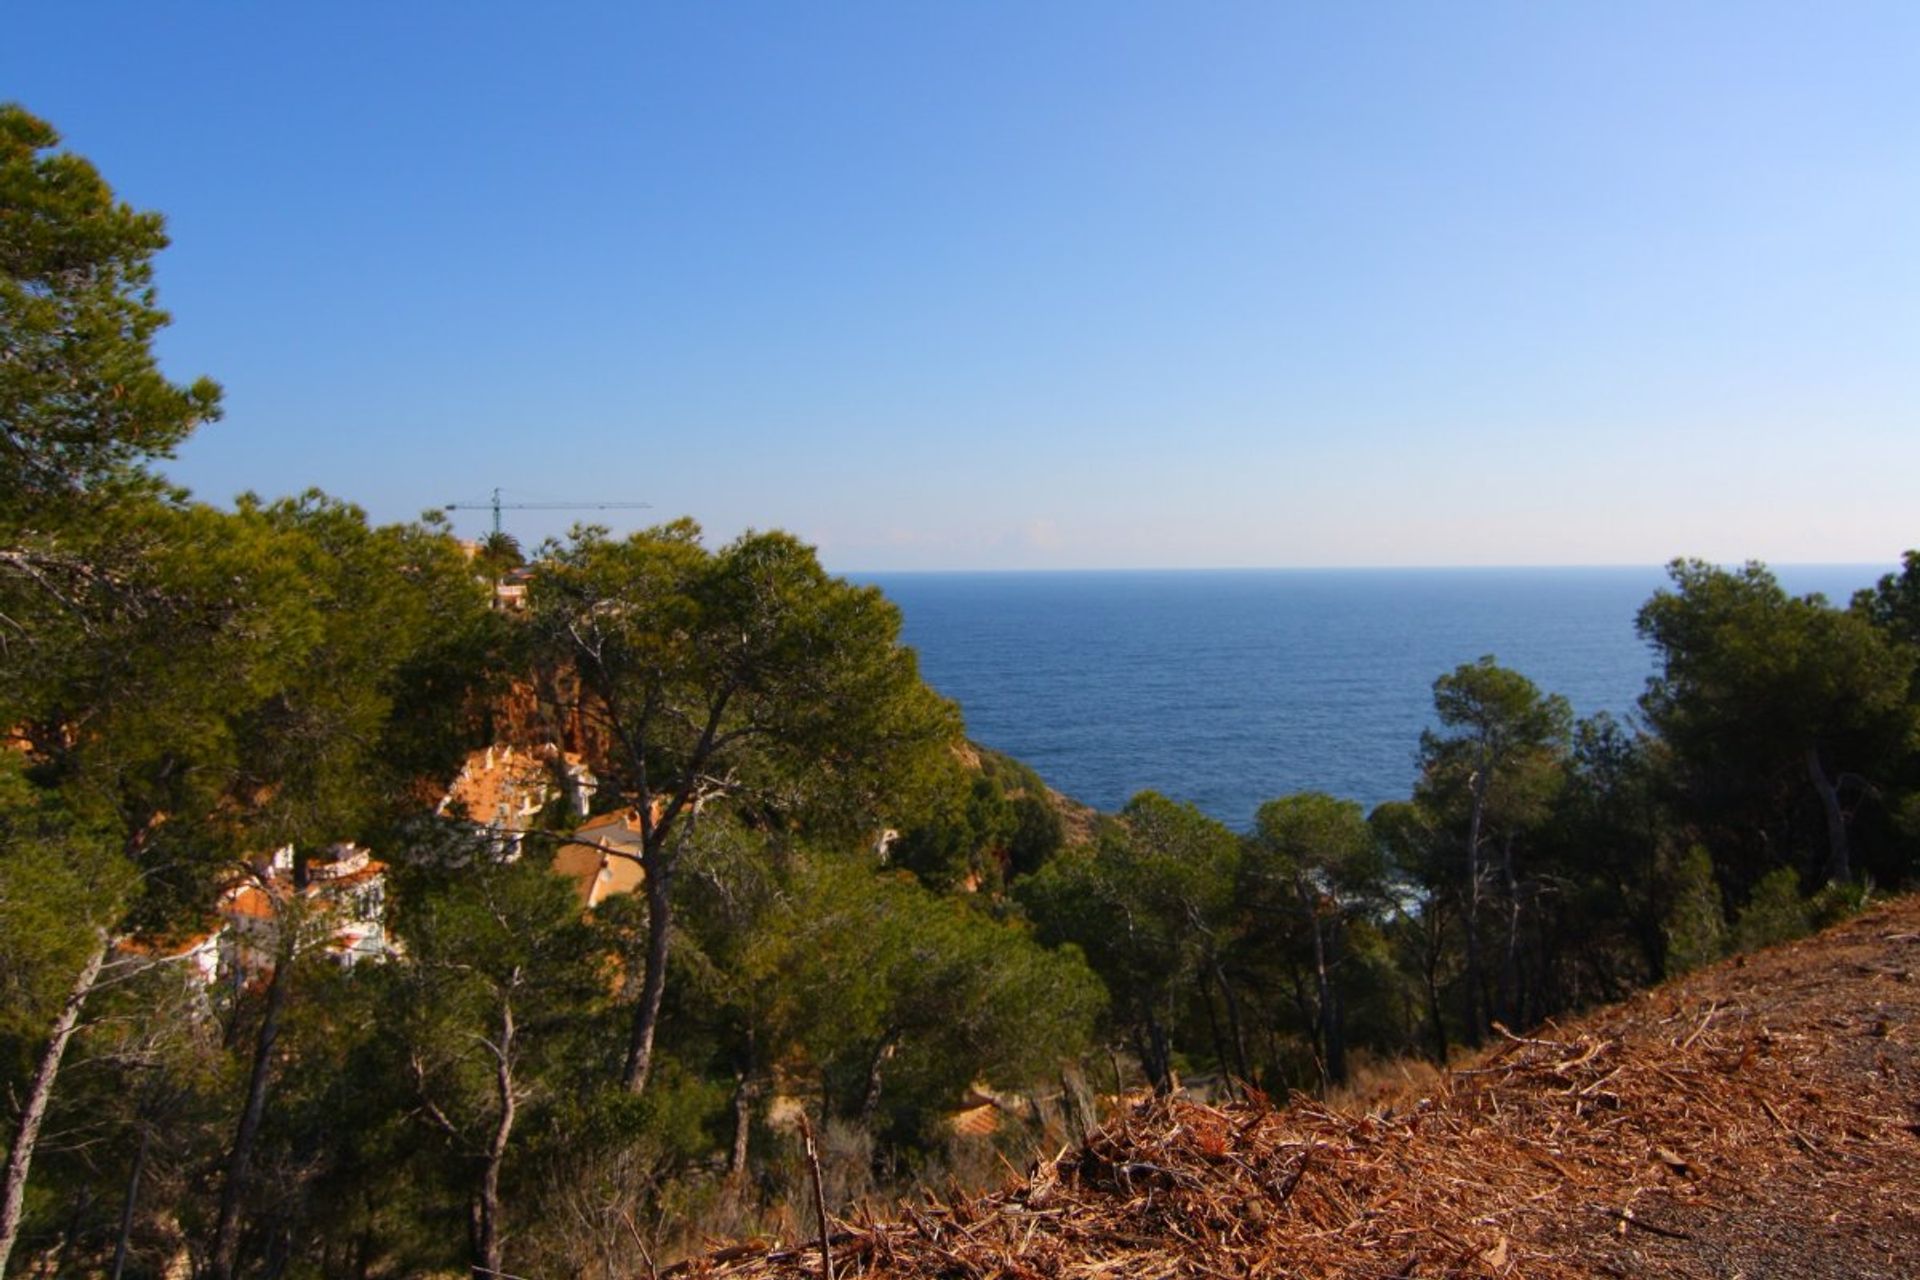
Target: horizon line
<point>1375,568</point>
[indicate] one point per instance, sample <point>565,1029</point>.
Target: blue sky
<point>1059,285</point>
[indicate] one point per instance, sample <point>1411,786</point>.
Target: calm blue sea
<point>1230,688</point>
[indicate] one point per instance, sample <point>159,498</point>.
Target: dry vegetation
<point>1760,1118</point>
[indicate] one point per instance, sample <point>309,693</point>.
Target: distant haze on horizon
<point>1005,286</point>
<point>1796,569</point>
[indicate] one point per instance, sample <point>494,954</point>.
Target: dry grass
<point>1761,1118</point>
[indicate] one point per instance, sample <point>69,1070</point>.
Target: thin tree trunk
<point>1332,1047</point>
<point>819,1198</point>
<point>1510,961</point>
<point>1475,992</point>
<point>1204,979</point>
<point>55,1262</point>
<point>1333,1053</point>
<point>279,1249</point>
<point>487,1261</point>
<point>870,1096</point>
<point>653,983</point>
<point>1142,1052</point>
<point>1430,972</point>
<point>1436,1025</point>
<point>745,1089</point>
<point>26,1134</point>
<point>363,1247</point>
<point>1233,1022</point>
<point>1155,1055</point>
<point>1336,1020</point>
<point>226,1235</point>
<point>1310,1011</point>
<point>132,1199</point>
<point>1839,862</point>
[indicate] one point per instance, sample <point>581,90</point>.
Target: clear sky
<point>1095,284</point>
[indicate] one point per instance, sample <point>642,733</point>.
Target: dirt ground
<point>1757,1119</point>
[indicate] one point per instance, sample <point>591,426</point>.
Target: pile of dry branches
<point>1762,1117</point>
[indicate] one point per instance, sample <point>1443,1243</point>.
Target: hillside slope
<point>1759,1119</point>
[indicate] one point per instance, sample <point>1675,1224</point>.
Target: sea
<point>1230,688</point>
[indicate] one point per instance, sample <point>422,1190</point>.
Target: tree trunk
<point>363,1247</point>
<point>1233,1022</point>
<point>1436,1025</point>
<point>279,1249</point>
<point>1204,979</point>
<point>1078,1109</point>
<point>54,1262</point>
<point>653,985</point>
<point>1432,953</point>
<point>1331,1042</point>
<point>1145,1054</point>
<point>1336,1016</point>
<point>226,1234</point>
<point>487,1252</point>
<point>1155,1054</point>
<point>26,1135</point>
<point>1510,961</point>
<point>1839,863</point>
<point>132,1199</point>
<point>745,1089</point>
<point>1308,1006</point>
<point>1475,991</point>
<point>1328,1016</point>
<point>870,1096</point>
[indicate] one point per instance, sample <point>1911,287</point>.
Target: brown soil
<point>1757,1119</point>
<point>1080,822</point>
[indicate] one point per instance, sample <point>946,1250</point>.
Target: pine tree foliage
<point>845,909</point>
<point>82,398</point>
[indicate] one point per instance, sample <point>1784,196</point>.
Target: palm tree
<point>497,553</point>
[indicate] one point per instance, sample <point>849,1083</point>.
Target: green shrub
<point>1837,902</point>
<point>1695,927</point>
<point>1775,913</point>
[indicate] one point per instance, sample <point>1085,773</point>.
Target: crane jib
<point>497,506</point>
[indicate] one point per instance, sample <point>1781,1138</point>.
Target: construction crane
<point>497,506</point>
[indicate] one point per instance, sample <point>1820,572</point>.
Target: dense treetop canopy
<point>81,394</point>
